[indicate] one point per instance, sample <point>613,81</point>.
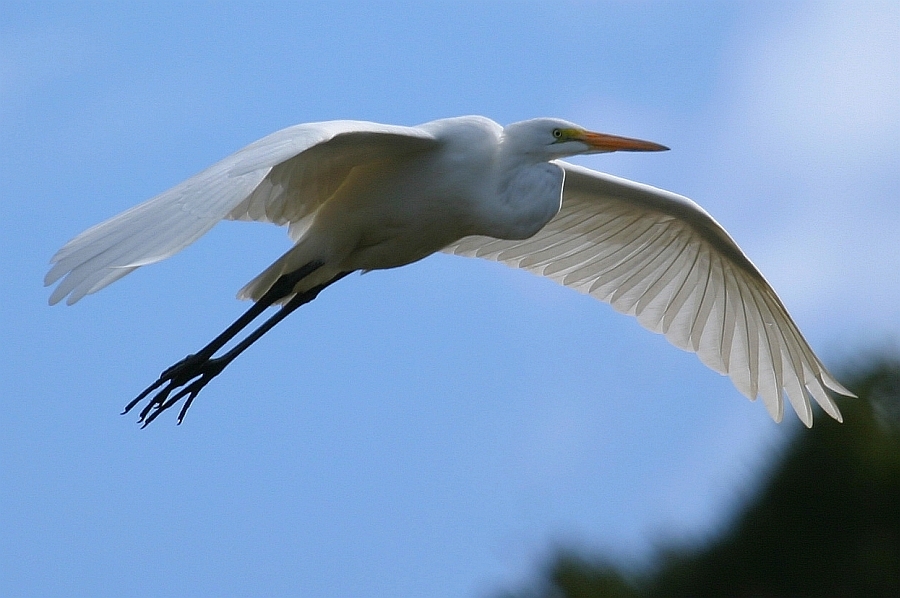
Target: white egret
<point>366,196</point>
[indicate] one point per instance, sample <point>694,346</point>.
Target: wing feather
<point>662,258</point>
<point>283,178</point>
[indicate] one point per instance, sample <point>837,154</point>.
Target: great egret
<point>366,196</point>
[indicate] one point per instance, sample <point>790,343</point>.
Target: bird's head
<point>551,138</point>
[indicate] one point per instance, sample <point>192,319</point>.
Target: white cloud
<point>812,154</point>
<point>828,85</point>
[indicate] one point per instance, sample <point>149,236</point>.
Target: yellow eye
<point>557,133</point>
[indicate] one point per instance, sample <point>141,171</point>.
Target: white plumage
<point>364,196</point>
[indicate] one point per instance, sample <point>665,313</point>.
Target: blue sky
<point>438,429</point>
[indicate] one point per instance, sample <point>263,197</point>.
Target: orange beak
<point>602,142</point>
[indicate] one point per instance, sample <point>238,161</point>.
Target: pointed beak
<point>601,142</point>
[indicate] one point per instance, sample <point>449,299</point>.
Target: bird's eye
<point>557,133</point>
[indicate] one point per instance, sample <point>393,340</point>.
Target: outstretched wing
<point>660,257</point>
<point>282,178</point>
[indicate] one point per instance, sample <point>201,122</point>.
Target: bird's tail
<point>299,257</point>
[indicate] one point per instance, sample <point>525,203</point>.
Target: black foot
<point>190,374</point>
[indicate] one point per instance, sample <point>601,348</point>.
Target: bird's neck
<point>525,197</point>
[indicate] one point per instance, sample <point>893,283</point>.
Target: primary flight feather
<point>366,196</point>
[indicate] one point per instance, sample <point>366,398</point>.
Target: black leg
<point>188,377</point>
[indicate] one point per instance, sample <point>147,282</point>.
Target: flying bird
<point>360,196</point>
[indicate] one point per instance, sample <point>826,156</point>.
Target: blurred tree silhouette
<point>825,523</point>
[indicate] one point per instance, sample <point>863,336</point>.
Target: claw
<point>189,375</point>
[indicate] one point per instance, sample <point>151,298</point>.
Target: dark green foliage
<point>580,579</point>
<point>826,522</point>
<point>572,576</point>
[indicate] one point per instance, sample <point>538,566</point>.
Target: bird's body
<point>365,196</point>
<point>400,208</point>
